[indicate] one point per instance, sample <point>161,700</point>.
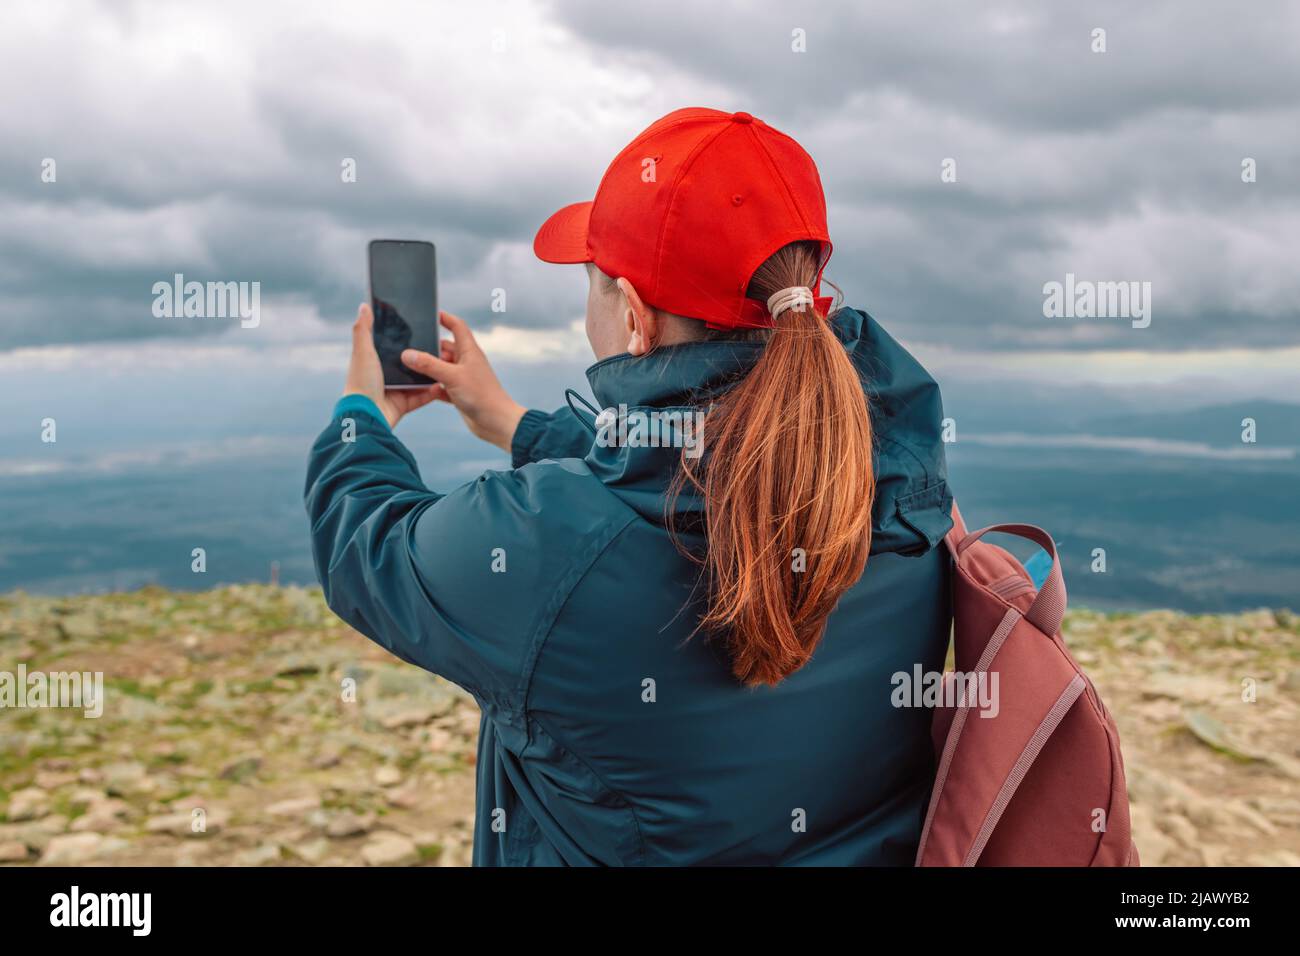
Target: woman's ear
<point>640,320</point>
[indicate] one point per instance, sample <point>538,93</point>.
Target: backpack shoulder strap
<point>1048,609</point>
<point>958,531</point>
<point>984,759</point>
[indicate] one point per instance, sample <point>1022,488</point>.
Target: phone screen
<point>404,297</point>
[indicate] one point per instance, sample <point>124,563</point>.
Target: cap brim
<point>563,237</point>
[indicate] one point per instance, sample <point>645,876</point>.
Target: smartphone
<point>404,297</point>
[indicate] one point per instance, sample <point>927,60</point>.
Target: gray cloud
<point>208,141</point>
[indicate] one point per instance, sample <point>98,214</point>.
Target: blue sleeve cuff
<point>359,403</point>
<point>528,430</point>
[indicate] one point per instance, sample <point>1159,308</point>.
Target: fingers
<point>411,399</point>
<point>427,364</point>
<point>363,341</point>
<point>420,400</point>
<point>460,331</point>
<point>447,350</point>
<point>365,320</point>
<point>434,393</point>
<point>364,375</point>
<point>364,371</point>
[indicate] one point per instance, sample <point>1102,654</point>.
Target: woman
<point>681,657</point>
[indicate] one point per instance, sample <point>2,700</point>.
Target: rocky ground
<point>242,726</point>
<point>248,726</point>
<point>1208,708</point>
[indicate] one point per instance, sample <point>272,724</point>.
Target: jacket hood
<point>649,401</point>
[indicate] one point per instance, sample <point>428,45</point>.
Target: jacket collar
<point>684,374</point>
<point>911,512</point>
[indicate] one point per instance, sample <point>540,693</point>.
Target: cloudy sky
<point>207,139</point>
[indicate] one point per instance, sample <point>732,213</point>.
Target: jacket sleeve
<point>465,584</point>
<point>556,435</point>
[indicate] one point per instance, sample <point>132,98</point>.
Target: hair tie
<point>797,297</point>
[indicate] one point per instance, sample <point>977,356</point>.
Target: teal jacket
<point>554,595</point>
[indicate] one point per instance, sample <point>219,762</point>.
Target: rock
<point>1179,828</point>
<point>406,797</point>
<point>101,815</point>
<point>292,835</point>
<point>137,709</point>
<point>73,849</point>
<point>35,835</point>
<point>390,849</point>
<point>296,807</point>
<point>1211,854</point>
<point>441,849</point>
<point>394,680</point>
<point>429,839</point>
<point>1188,687</point>
<point>191,853</point>
<point>395,690</point>
<point>53,779</point>
<point>76,626</point>
<point>1280,810</point>
<point>1213,734</point>
<point>30,803</point>
<point>455,853</point>
<point>327,757</point>
<point>388,776</point>
<point>1288,766</point>
<point>177,824</point>
<point>412,716</point>
<point>312,851</point>
<point>1275,858</point>
<point>123,779</point>
<point>262,855</point>
<point>13,851</point>
<point>1159,792</point>
<point>241,769</point>
<point>84,796</point>
<point>348,824</point>
<point>1236,811</point>
<point>1154,848</point>
<point>296,665</point>
<point>468,722</point>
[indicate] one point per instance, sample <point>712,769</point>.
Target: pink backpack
<point>1035,779</point>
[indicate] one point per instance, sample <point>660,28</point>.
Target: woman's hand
<point>466,380</point>
<point>366,375</point>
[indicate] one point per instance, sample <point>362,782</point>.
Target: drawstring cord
<point>569,396</point>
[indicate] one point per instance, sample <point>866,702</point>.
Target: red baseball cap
<point>690,208</point>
